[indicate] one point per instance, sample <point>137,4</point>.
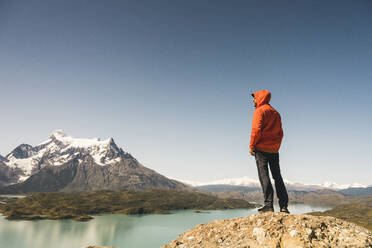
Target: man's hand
<point>252,152</point>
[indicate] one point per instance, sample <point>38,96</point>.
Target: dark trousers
<point>263,159</point>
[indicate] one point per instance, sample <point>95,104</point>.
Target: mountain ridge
<point>254,183</point>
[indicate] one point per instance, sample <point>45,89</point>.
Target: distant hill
<point>222,187</point>
<point>358,213</point>
<point>297,193</point>
<point>357,191</point>
<point>327,198</point>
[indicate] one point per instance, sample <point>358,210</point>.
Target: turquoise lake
<point>123,231</point>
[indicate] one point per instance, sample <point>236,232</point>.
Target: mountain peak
<point>61,148</point>
<point>58,133</point>
<point>20,152</point>
<point>64,162</point>
<point>61,137</point>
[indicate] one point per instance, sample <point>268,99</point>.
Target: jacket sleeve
<point>257,122</point>
<point>281,135</point>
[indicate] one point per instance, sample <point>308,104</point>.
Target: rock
<point>83,218</point>
<point>275,230</point>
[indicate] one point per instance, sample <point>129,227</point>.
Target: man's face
<point>254,102</point>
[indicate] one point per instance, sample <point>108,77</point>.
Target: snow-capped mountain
<point>59,149</point>
<point>242,181</point>
<point>248,182</point>
<point>66,163</point>
<point>332,185</point>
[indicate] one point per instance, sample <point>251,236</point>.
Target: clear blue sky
<point>170,81</point>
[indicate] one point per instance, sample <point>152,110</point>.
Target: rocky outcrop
<point>276,230</point>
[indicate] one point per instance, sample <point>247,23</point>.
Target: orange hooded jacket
<point>267,132</point>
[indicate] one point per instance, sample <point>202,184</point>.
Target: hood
<point>262,97</point>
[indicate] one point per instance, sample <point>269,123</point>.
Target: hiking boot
<point>266,208</point>
<point>284,210</point>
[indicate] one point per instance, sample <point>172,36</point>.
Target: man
<point>266,137</point>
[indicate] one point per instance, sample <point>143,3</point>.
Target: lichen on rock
<point>276,230</point>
